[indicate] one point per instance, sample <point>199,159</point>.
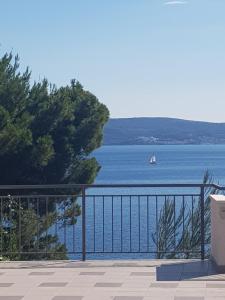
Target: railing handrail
<point>123,185</point>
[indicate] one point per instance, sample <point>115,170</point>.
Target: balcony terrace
<point>113,246</point>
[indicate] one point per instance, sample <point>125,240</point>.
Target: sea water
<point>175,163</point>
<point>130,165</point>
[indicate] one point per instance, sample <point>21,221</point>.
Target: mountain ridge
<point>162,130</point>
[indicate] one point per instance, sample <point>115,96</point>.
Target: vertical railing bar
<point>192,216</point>
<point>30,206</point>
<point>139,225</point>
<point>46,232</point>
<point>103,222</point>
<point>38,219</point>
<point>64,222</point>
<point>20,230</point>
<point>130,223</point>
<point>10,218</point>
<point>112,224</point>
<point>74,213</point>
<point>164,222</point>
<point>94,221</point>
<point>183,221</point>
<point>2,221</point>
<point>83,224</point>
<point>157,229</point>
<point>202,199</point>
<point>174,224</point>
<point>148,245</point>
<point>121,222</point>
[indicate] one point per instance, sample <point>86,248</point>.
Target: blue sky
<point>139,57</point>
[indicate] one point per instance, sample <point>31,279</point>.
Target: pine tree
<point>46,137</point>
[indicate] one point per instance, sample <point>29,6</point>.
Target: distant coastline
<point>162,131</point>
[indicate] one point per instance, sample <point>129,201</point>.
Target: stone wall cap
<point>219,198</point>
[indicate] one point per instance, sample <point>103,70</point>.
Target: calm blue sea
<point>175,163</point>
<point>109,230</point>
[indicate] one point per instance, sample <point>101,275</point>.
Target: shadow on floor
<point>190,270</point>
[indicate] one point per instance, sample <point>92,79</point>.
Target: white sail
<point>152,159</point>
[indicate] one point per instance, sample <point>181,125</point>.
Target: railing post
<point>202,205</point>
<point>83,224</point>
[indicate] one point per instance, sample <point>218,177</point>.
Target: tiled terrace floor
<point>111,280</point>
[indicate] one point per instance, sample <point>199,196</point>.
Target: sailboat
<point>152,160</point>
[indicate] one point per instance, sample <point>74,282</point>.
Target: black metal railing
<point>104,221</point>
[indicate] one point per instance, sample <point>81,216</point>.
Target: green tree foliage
<point>46,137</point>
<point>178,232</point>
<point>25,236</point>
<point>46,134</point>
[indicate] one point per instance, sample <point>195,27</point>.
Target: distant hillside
<point>143,131</point>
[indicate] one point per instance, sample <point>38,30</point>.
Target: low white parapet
<point>218,230</point>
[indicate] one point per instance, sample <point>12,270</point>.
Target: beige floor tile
<point>137,278</point>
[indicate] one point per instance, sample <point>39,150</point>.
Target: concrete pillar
<point>218,230</point>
